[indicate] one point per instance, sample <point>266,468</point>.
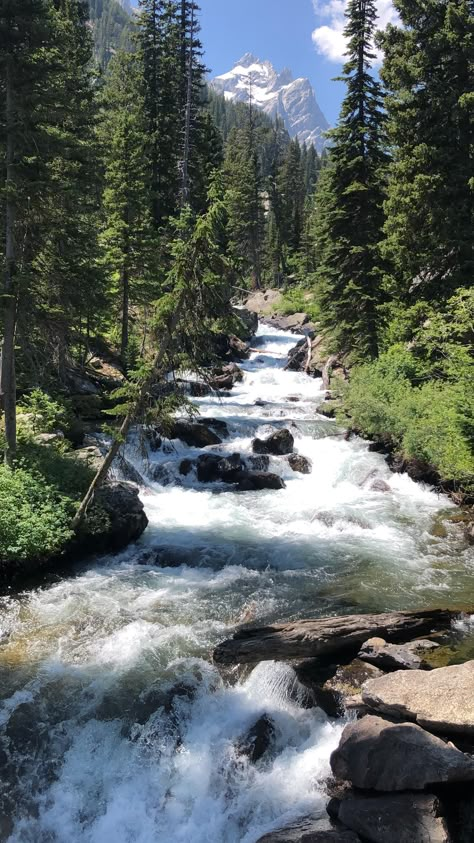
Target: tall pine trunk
<point>7,372</point>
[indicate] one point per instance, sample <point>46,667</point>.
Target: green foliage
<point>419,392</point>
<point>348,204</point>
<point>299,300</point>
<point>39,499</point>
<point>44,413</point>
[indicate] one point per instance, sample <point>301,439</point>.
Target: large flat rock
<point>309,831</point>
<point>440,700</point>
<point>374,754</point>
<point>395,818</point>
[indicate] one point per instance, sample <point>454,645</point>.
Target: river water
<point>114,723</point>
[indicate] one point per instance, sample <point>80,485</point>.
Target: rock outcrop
<point>396,656</point>
<point>441,700</point>
<point>258,739</point>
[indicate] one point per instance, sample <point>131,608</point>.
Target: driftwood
<point>327,636</point>
<point>327,370</point>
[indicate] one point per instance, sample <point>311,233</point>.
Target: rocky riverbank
<point>404,768</point>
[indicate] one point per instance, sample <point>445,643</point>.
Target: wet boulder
<point>238,349</point>
<point>230,468</point>
<point>310,830</point>
<point>185,467</point>
<point>394,818</point>
<point>258,739</point>
<point>126,514</point>
<point>258,463</point>
<point>255,481</point>
<point>396,656</point>
<point>279,443</point>
<point>374,754</point>
<point>225,377</point>
<point>300,464</point>
<point>207,468</point>
<point>197,389</point>
<point>193,433</point>
<point>218,425</point>
<point>378,484</point>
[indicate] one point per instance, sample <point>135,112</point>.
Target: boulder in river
<point>207,468</point>
<point>254,481</point>
<point>374,754</point>
<point>440,700</point>
<point>395,818</point>
<point>258,463</point>
<point>310,831</point>
<point>279,443</point>
<point>224,377</point>
<point>127,519</point>
<point>336,688</point>
<point>396,656</point>
<point>301,464</point>
<point>218,425</point>
<point>258,739</point>
<point>249,318</point>
<point>193,433</point>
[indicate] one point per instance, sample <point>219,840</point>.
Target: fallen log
<point>318,637</point>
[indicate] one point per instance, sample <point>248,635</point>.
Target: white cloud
<point>328,38</point>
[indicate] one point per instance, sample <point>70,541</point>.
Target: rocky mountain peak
<point>278,94</point>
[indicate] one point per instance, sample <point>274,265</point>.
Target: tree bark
<point>327,636</point>
<point>7,372</point>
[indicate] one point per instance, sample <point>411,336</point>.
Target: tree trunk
<point>185,188</point>
<point>327,636</point>
<point>7,373</point>
<point>125,283</point>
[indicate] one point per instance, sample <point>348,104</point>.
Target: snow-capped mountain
<point>276,93</point>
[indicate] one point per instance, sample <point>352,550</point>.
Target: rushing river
<point>114,723</point>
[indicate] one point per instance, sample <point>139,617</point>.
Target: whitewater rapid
<point>114,723</point>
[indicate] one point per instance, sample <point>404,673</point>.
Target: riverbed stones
<point>279,443</point>
<point>440,700</point>
<point>300,464</point>
<point>394,818</point>
<point>375,754</point>
<point>225,377</point>
<point>258,463</point>
<point>396,656</point>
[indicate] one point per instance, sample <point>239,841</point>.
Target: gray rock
<point>207,468</point>
<point>260,463</point>
<point>249,318</point>
<point>379,485</point>
<point>194,434</point>
<point>279,443</point>
<point>219,425</point>
<point>258,739</point>
<point>310,831</point>
<point>301,464</point>
<point>396,656</point>
<point>253,481</point>
<point>185,467</point>
<point>441,700</point>
<point>395,818</point>
<point>126,514</point>
<point>49,438</point>
<point>374,754</point>
<point>230,468</point>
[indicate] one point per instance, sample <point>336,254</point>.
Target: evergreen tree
<point>128,237</point>
<point>429,71</point>
<point>350,200</point>
<point>25,67</point>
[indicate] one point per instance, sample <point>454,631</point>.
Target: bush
<point>34,518</point>
<point>431,420</point>
<point>298,300</point>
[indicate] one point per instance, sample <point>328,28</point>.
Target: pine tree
<point>429,71</point>
<point>350,200</point>
<point>128,236</point>
<point>25,66</point>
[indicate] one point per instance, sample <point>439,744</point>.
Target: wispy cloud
<point>328,38</point>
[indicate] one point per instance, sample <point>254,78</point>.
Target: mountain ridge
<point>277,93</point>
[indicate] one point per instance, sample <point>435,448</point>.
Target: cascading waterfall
<point>114,723</point>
